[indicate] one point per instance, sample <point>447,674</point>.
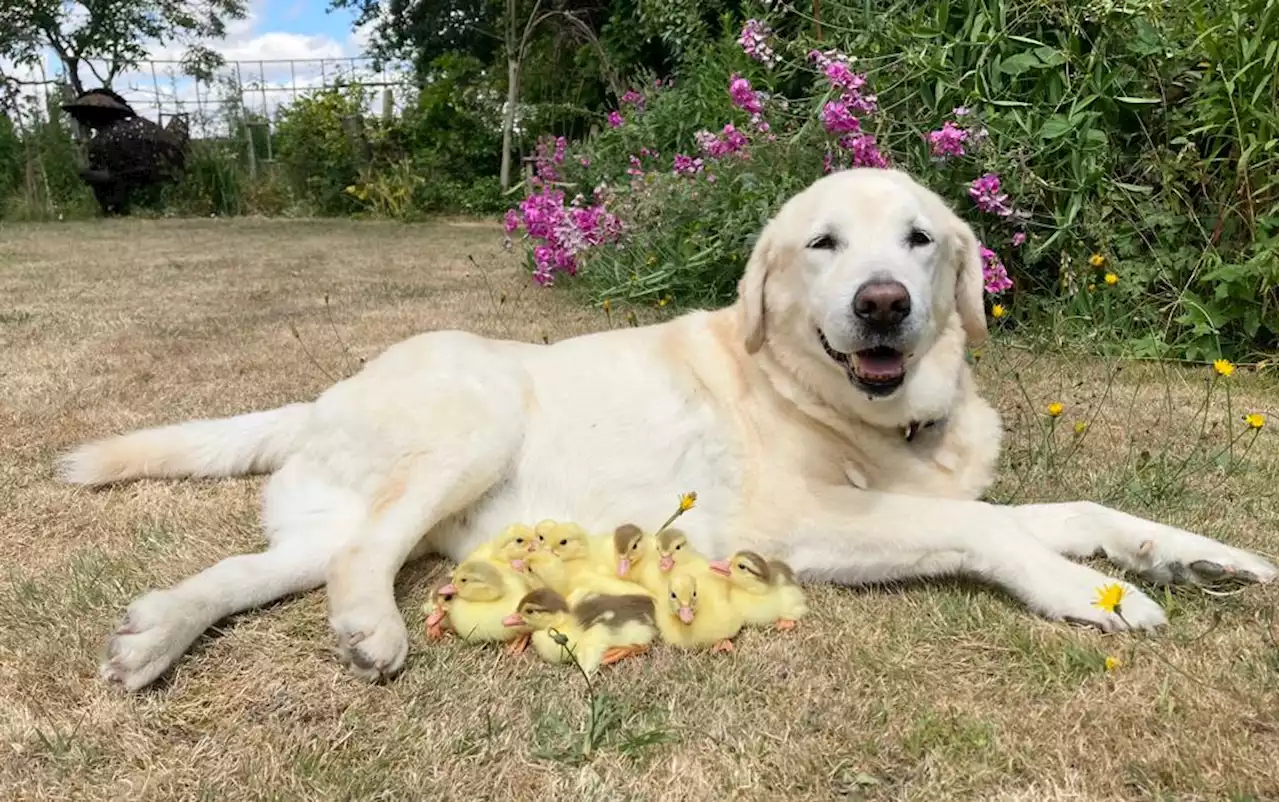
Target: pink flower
<point>584,161</point>
<point>960,111</point>
<point>827,162</point>
<point>755,42</point>
<point>743,96</point>
<point>1019,239</point>
<point>730,140</point>
<point>841,77</point>
<point>948,140</point>
<point>837,118</point>
<point>863,151</point>
<point>615,120</point>
<point>510,222</point>
<point>985,192</point>
<point>995,278</point>
<point>686,165</point>
<point>634,98</point>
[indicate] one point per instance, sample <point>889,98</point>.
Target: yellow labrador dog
<point>828,417</point>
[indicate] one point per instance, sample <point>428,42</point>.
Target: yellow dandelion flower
<point>607,305</point>
<point>687,502</point>
<point>1109,597</point>
<point>1223,367</point>
<point>997,311</point>
<point>1097,260</point>
<point>1054,409</point>
<point>1255,421</point>
<point>1112,663</point>
<point>664,301</point>
<point>1112,279</point>
<point>1080,426</point>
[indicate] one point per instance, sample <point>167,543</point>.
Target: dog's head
<point>863,272</point>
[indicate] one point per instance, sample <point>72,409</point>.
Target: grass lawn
<point>907,692</point>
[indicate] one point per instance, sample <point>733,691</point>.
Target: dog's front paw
<point>1074,596</point>
<point>372,643</point>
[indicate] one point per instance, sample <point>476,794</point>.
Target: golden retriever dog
<point>828,418</point>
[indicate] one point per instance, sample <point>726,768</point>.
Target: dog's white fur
<point>448,437</point>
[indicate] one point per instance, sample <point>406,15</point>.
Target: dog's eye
<point>918,238</point>
<point>822,242</point>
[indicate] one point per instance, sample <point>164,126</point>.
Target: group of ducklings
<point>597,596</point>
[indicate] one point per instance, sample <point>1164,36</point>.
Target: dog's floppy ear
<point>967,258</point>
<point>751,290</point>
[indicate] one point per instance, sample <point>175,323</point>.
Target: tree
<point>111,34</point>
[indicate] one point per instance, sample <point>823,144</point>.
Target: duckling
<point>631,551</point>
<point>511,547</point>
<point>688,621</point>
<point>600,629</point>
<point>569,569</point>
<point>570,559</point>
<point>764,591</point>
<point>477,600</point>
<point>674,551</point>
<point>793,604</point>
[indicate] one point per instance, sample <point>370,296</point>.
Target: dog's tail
<point>257,442</point>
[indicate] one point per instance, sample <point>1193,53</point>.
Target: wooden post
<point>388,105</point>
<point>251,151</point>
<point>353,126</point>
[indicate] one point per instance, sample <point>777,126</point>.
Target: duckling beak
<point>666,563</point>
<point>686,614</point>
<point>448,591</point>
<point>513,620</point>
<point>437,615</point>
<point>624,566</point>
<point>533,546</point>
<point>518,565</point>
<point>721,567</point>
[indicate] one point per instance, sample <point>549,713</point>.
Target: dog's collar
<point>914,428</point>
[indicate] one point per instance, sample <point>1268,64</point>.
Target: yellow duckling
<point>569,569</point>
<point>511,547</point>
<point>477,599</point>
<point>600,629</point>
<point>674,551</point>
<point>569,559</point>
<point>690,620</point>
<point>764,591</point>
<point>632,551</point>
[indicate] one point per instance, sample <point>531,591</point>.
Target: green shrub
<point>1131,138</point>
<point>313,148</point>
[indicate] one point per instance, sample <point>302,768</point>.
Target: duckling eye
<point>741,567</point>
<point>673,595</point>
<point>564,542</point>
<point>519,541</point>
<point>679,546</point>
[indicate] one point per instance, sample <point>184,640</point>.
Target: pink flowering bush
<point>678,229</point>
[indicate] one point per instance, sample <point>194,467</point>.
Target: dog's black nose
<point>882,304</point>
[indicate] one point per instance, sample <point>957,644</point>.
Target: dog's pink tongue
<point>878,366</point>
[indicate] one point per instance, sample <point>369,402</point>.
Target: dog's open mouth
<point>878,370</point>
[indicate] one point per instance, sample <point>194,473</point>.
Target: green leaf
<point>1020,63</point>
<point>1056,126</point>
<point>1139,101</point>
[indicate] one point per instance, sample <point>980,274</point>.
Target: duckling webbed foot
<point>518,645</point>
<point>784,624</point>
<point>725,645</point>
<point>619,653</point>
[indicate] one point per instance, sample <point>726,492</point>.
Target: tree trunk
<point>509,120</point>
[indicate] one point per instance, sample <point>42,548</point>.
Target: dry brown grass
<point>922,692</point>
